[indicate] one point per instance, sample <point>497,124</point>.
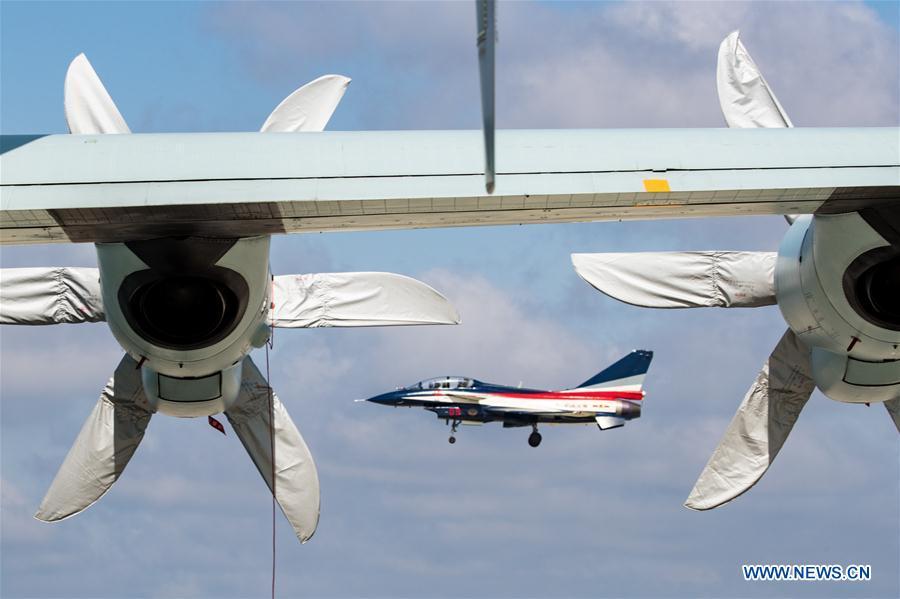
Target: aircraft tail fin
<point>625,375</point>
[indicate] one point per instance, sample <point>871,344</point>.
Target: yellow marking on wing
<point>655,185</point>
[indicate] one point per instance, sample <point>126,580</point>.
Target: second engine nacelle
<point>188,310</point>
<point>837,281</point>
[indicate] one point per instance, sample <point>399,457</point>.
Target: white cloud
<point>587,514</point>
<point>633,64</point>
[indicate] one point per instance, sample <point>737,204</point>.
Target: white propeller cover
<point>759,428</point>
<point>36,296</point>
<point>746,99</point>
<point>357,299</point>
<point>308,108</point>
<point>296,479</point>
<point>89,108</point>
<point>103,448</point>
<point>682,279</point>
<point>893,408</point>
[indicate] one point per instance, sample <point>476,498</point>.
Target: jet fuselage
<point>609,398</point>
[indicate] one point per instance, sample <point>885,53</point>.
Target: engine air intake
<point>184,311</point>
<point>878,293</point>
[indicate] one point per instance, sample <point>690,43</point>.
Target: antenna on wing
<point>486,13</point>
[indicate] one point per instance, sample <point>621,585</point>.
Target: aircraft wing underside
<point>464,397</point>
<point>524,412</point>
<point>91,188</point>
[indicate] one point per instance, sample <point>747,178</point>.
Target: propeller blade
<point>308,108</point>
<point>89,109</point>
<point>682,279</point>
<point>50,296</point>
<point>759,428</point>
<point>296,479</point>
<point>893,408</point>
<point>744,96</point>
<point>486,15</point>
<point>357,299</point>
<point>103,448</point>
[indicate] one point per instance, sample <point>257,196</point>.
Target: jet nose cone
<point>386,399</point>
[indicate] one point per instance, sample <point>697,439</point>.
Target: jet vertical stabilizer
<point>625,375</point>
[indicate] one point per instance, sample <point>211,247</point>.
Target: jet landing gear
<point>534,439</point>
<point>452,439</point>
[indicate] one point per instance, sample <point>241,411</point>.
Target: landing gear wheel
<point>534,439</point>
<point>452,439</point>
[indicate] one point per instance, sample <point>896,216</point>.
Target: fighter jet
<point>609,398</point>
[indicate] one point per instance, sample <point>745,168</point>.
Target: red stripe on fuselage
<point>558,395</point>
<point>581,395</point>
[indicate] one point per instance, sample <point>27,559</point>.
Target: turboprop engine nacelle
<point>837,281</point>
<point>188,309</point>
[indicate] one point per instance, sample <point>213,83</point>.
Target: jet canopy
<point>445,382</point>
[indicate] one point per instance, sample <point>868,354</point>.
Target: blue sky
<point>404,513</point>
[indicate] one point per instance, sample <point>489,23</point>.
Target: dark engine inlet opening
<point>878,291</point>
<point>183,312</point>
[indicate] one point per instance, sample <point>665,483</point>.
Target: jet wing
<point>497,404</point>
<point>468,397</point>
<point>95,188</point>
<point>511,411</point>
<point>494,408</point>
